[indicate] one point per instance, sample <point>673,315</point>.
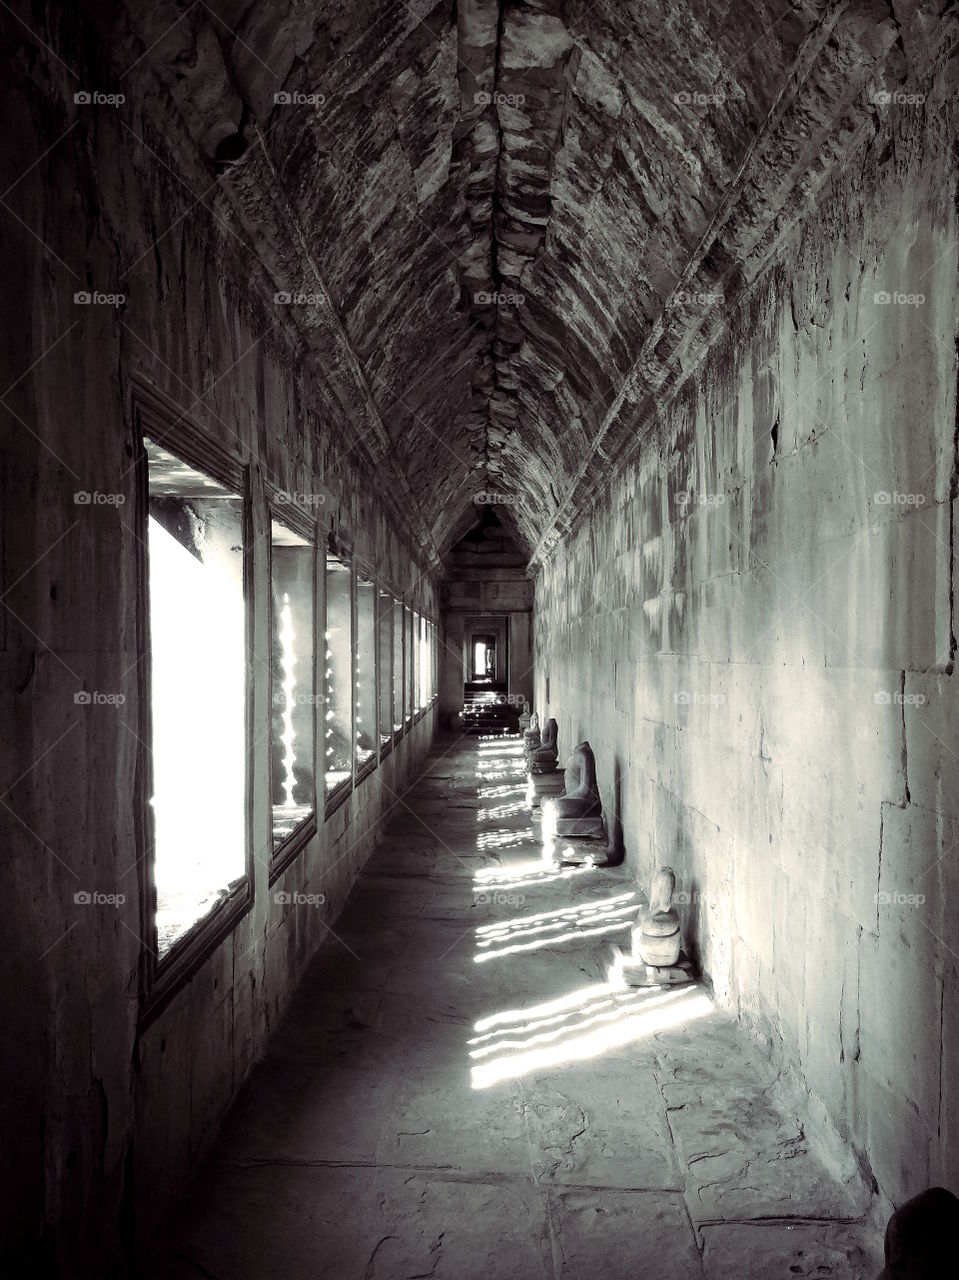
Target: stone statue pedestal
<point>575,853</point>
<point>634,972</point>
<point>582,828</point>
<point>541,786</point>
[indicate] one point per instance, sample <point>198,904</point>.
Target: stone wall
<point>114,200</point>
<point>755,630</point>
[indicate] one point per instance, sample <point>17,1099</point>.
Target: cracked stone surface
<point>604,1137</point>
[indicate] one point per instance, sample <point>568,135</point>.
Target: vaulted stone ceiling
<point>514,209</point>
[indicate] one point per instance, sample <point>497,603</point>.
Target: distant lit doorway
<point>486,671</point>
<point>483,658</point>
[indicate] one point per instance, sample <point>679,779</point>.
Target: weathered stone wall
<point>755,630</point>
<point>117,200</point>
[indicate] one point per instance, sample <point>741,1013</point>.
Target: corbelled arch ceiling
<point>508,217</point>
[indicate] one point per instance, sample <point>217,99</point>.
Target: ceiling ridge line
<point>344,348</point>
<point>495,273</point>
<point>806,58</point>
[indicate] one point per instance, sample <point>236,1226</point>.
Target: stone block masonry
<point>755,629</point>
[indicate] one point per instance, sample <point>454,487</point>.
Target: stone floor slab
<point>457,1090</point>
<point>624,1236</point>
<point>734,1251</point>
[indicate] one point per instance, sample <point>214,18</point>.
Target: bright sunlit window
<point>365,672</point>
<point>423,686</point>
<point>417,662</point>
<point>197,663</point>
<point>292,749</point>
<point>338,716</point>
<point>398,652</point>
<point>431,632</point>
<point>410,661</point>
<point>384,639</point>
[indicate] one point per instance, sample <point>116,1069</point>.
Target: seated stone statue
<point>656,936</point>
<point>578,810</point>
<point>542,759</point>
<point>922,1237</point>
<point>580,797</point>
<point>544,779</point>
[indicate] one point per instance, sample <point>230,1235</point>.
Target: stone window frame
<point>157,418</point>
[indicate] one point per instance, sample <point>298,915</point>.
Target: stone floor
<point>458,1092</point>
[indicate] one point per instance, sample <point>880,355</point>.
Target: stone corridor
<point>457,1091</point>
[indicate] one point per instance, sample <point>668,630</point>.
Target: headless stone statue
<point>544,779</point>
<point>580,798</point>
<point>922,1238</point>
<point>542,759</point>
<point>656,937</point>
<point>577,813</point>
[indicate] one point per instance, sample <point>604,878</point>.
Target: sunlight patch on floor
<point>588,1032</point>
<point>525,875</point>
<point>545,928</point>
